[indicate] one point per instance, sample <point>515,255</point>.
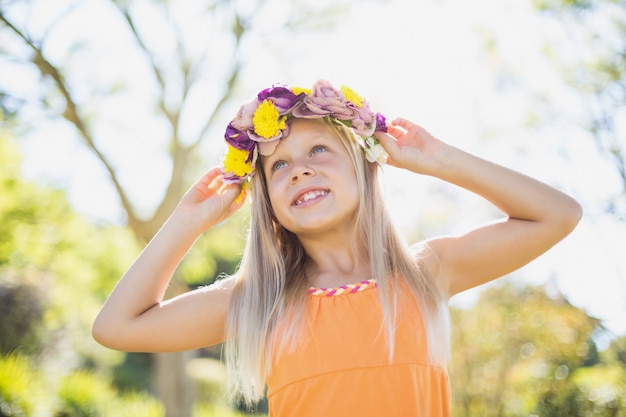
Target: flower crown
<point>260,124</point>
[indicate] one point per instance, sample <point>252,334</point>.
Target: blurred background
<point>109,109</point>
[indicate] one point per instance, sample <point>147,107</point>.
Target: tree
<point>596,391</point>
<point>517,347</point>
<point>55,267</point>
<point>596,29</point>
<point>21,309</point>
<point>182,67</point>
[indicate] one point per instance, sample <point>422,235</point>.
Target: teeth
<point>310,196</point>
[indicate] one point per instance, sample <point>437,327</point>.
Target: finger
<point>404,123</point>
<point>226,188</point>
<point>233,197</point>
<point>239,201</point>
<point>208,177</point>
<point>386,139</point>
<point>217,184</point>
<point>396,131</point>
<point>390,145</point>
<point>410,127</point>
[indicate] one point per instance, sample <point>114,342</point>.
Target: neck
<point>335,261</point>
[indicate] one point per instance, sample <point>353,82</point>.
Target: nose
<point>300,171</point>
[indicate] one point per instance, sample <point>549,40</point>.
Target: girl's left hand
<point>410,146</point>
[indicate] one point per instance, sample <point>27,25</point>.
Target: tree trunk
<point>173,385</point>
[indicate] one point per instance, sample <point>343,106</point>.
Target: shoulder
<point>216,296</point>
<point>426,255</point>
<point>222,286</point>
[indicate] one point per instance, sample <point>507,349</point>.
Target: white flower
<point>376,154</point>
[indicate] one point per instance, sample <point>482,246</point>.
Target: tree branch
<point>230,84</point>
<point>179,153</point>
<point>71,114</point>
<point>172,116</point>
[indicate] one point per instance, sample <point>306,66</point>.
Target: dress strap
<point>344,289</point>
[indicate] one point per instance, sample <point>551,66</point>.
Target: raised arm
<point>135,317</point>
<point>537,215</point>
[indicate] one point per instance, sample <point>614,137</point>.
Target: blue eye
<point>318,149</point>
<point>278,165</point>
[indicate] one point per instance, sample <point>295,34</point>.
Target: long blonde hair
<point>271,281</point>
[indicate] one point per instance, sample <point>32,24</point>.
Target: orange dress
<point>341,366</point>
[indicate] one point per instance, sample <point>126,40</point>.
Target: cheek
<point>278,202</point>
<point>273,193</point>
<point>275,208</point>
<point>355,189</point>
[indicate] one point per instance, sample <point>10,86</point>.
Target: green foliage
<point>596,72</point>
<point>209,376</point>
<point>21,308</point>
<point>217,252</point>
<point>27,391</point>
<point>211,410</point>
<point>138,404</point>
<point>22,205</point>
<point>617,351</point>
<point>55,267</point>
<point>134,373</point>
<point>22,390</point>
<point>515,352</point>
<point>211,400</point>
<point>591,392</point>
<point>556,5</point>
<point>85,394</point>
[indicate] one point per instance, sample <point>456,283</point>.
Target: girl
<point>329,310</point>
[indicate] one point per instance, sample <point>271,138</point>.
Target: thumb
<point>389,143</point>
<point>236,196</point>
<point>229,192</point>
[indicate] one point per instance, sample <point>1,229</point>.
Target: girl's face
<point>311,181</point>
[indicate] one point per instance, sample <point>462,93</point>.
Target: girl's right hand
<point>210,201</point>
<point>135,317</point>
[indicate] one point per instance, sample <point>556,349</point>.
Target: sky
<point>423,60</point>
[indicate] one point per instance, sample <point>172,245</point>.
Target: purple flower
<point>363,123</point>
<point>381,123</point>
<point>361,128</point>
<point>243,119</point>
<point>231,178</point>
<point>267,148</point>
<point>283,98</point>
<point>323,100</point>
<point>240,140</point>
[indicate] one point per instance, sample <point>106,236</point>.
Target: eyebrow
<point>320,136</point>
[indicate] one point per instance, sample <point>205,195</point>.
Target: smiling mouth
<point>311,195</point>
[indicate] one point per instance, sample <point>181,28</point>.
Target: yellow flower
<point>244,191</point>
<point>266,120</point>
<point>352,96</point>
<point>298,90</point>
<point>235,162</point>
